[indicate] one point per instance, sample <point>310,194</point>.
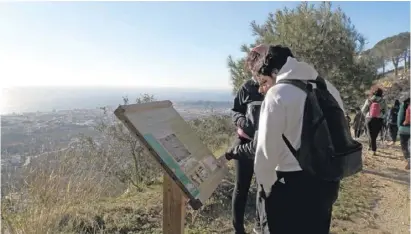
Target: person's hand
<point>229,155</point>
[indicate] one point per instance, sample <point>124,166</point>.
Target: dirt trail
<point>391,184</point>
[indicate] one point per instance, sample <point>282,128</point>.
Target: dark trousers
<point>357,132</point>
<point>374,126</point>
<point>405,147</point>
<point>244,173</point>
<point>299,204</point>
<point>393,128</point>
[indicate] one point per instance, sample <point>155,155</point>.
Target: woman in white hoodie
<point>294,201</point>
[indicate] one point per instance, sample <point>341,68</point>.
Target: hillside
<point>395,87</point>
<point>54,200</point>
<point>375,201</point>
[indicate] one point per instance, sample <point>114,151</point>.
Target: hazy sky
<point>179,44</point>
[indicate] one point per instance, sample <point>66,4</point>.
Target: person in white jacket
<point>295,202</point>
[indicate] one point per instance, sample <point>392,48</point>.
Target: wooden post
<point>173,207</point>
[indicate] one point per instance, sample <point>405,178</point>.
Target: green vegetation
<point>319,36</point>
<point>327,39</point>
<point>391,49</point>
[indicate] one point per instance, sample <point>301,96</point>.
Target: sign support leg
<point>173,207</point>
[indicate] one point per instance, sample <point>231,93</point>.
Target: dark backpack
<point>327,149</point>
<point>392,119</point>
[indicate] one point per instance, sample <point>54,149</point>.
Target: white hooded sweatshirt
<point>282,113</point>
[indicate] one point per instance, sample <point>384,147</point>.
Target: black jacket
<point>393,115</point>
<point>246,112</point>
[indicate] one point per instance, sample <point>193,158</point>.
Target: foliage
<point>52,186</point>
<point>128,159</point>
<point>394,49</point>
<point>238,73</point>
<point>215,131</point>
<point>320,36</point>
<point>395,87</point>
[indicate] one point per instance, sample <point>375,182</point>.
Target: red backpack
<point>407,116</point>
<point>375,109</point>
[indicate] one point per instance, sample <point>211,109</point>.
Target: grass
<point>142,212</point>
<point>61,201</point>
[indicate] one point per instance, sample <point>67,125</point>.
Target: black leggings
<point>405,145</point>
<point>357,132</point>
<point>244,173</point>
<point>374,126</point>
<point>393,128</point>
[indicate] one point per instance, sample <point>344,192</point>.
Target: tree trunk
<point>383,68</point>
<point>395,63</point>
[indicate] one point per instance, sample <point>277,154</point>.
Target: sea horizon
<point>18,100</point>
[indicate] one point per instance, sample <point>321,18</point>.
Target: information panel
<point>176,147</point>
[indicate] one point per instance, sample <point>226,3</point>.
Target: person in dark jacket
<point>348,118</point>
<point>358,123</point>
<point>404,132</point>
<point>246,111</point>
<point>392,121</point>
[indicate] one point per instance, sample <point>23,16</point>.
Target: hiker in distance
<point>358,123</point>
<point>246,112</point>
<point>403,121</point>
<point>297,195</point>
<point>392,121</point>
<point>374,110</point>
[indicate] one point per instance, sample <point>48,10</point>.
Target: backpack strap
<point>290,147</point>
<point>306,87</point>
<point>297,83</point>
<point>320,82</point>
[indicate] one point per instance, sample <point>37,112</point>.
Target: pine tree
<point>320,36</point>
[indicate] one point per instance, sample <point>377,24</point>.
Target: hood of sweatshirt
<point>295,70</point>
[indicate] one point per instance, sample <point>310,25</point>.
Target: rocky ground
<point>388,184</point>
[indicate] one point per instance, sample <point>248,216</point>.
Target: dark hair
<point>396,103</point>
<point>376,91</point>
<point>276,58</point>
